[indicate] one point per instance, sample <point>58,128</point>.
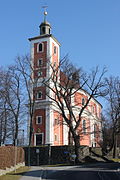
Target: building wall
<point>54,131</point>
<point>39,128</point>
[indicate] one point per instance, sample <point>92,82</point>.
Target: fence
<point>8,157</point>
<point>52,154</point>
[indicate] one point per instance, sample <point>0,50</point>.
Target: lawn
<point>116,160</point>
<point>13,175</point>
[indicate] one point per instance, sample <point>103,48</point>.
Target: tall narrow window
<point>56,137</point>
<point>56,121</point>
<point>55,49</point>
<point>95,130</point>
<point>83,101</point>
<point>40,62</point>
<point>84,126</point>
<point>39,139</point>
<point>40,47</point>
<point>39,120</point>
<point>39,95</point>
<point>43,30</point>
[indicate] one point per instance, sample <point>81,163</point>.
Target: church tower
<point>48,122</point>
<point>45,50</point>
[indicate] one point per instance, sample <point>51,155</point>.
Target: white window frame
<point>37,119</point>
<point>38,96</point>
<point>40,59</point>
<point>35,138</point>
<point>39,73</point>
<point>42,47</point>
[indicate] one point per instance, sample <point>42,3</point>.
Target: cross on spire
<point>45,12</point>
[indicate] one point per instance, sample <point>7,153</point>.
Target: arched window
<point>40,47</point>
<point>84,126</point>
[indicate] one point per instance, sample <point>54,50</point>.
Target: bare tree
<point>11,102</point>
<point>64,82</point>
<point>113,111</point>
<point>25,67</point>
<point>5,115</point>
<point>4,118</point>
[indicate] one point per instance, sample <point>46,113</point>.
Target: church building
<point>46,129</point>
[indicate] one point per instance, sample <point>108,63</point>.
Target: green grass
<point>116,160</point>
<point>13,175</point>
<point>56,165</point>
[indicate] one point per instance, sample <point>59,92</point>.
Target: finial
<point>45,12</point>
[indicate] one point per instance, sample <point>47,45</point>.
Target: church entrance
<point>38,139</point>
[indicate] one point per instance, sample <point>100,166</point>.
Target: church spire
<point>45,13</point>
<point>45,27</point>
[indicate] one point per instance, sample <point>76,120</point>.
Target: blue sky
<point>89,30</point>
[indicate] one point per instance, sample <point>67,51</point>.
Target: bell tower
<point>45,50</point>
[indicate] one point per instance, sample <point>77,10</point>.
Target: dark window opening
<point>84,126</point>
<point>40,47</point>
<point>39,73</point>
<point>38,139</point>
<point>39,95</point>
<point>39,120</point>
<point>40,62</point>
<point>83,101</point>
<point>43,30</point>
<point>55,49</point>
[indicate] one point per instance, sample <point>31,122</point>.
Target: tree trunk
<point>115,146</point>
<point>16,134</point>
<point>77,149</point>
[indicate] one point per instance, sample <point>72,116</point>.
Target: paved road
<point>35,173</point>
<point>91,172</point>
<point>95,172</point>
<point>40,173</point>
